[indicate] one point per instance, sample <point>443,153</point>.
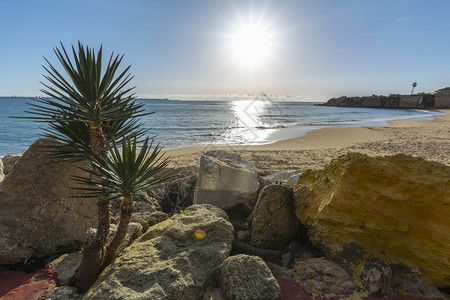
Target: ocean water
<point>179,124</point>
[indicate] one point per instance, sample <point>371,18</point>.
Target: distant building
<point>445,90</point>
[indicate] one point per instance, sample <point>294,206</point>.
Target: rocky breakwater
<point>39,215</point>
<point>168,261</point>
<point>394,208</point>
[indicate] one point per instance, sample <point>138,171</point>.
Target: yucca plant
<point>89,106</point>
<point>123,174</point>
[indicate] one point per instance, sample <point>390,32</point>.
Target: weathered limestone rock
<point>148,219</point>
<point>149,205</point>
<point>63,293</point>
<point>145,203</point>
<point>226,181</point>
<point>395,208</point>
<point>407,281</point>
<point>280,177</point>
<point>2,175</point>
<point>248,277</point>
<point>39,215</point>
<point>376,276</point>
<point>65,267</point>
<point>168,262</point>
<point>8,162</point>
<point>274,222</point>
<point>320,276</point>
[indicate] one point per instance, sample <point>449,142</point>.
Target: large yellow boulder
<point>396,208</point>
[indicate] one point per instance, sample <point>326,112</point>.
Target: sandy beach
<point>427,139</point>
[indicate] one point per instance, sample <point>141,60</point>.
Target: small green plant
<point>122,175</point>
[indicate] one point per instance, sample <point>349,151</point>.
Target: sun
<point>251,43</point>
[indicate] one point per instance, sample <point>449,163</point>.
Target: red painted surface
<point>19,286</point>
<point>291,290</point>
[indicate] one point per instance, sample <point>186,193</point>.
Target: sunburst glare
<point>251,43</point>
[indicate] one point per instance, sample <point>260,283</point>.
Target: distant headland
<point>439,99</point>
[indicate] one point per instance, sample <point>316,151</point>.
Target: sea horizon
<point>246,120</point>
<point>207,97</point>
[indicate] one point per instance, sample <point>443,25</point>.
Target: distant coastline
<point>420,101</point>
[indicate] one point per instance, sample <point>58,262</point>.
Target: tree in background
<point>88,110</point>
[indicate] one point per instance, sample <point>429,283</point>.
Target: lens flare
<point>251,43</point>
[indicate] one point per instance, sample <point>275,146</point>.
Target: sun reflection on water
<point>249,126</point>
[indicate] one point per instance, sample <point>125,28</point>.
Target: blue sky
<point>318,49</point>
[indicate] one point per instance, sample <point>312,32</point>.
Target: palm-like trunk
<point>126,209</point>
<point>94,254</point>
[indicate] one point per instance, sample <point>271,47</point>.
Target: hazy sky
<point>311,47</point>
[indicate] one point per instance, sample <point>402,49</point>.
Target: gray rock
<point>39,214</point>
<point>226,181</point>
<point>2,175</point>
<point>148,219</point>
<point>146,203</point>
<point>63,293</point>
<point>248,277</point>
<point>376,275</point>
<point>168,262</point>
<point>417,288</point>
<point>149,205</point>
<point>65,266</point>
<point>213,293</point>
<point>292,181</point>
<point>323,277</point>
<point>8,162</point>
<point>243,235</point>
<point>274,222</point>
<point>297,252</point>
<point>281,177</point>
<point>279,272</point>
<point>407,281</point>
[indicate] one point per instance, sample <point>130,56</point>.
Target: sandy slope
<point>427,139</point>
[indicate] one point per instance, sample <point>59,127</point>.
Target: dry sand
<point>427,139</point>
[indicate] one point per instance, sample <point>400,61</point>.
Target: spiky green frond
<point>83,92</point>
<point>75,137</point>
<point>84,95</point>
<point>126,171</point>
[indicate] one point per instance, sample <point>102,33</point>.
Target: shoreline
<point>287,133</point>
<point>429,139</point>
